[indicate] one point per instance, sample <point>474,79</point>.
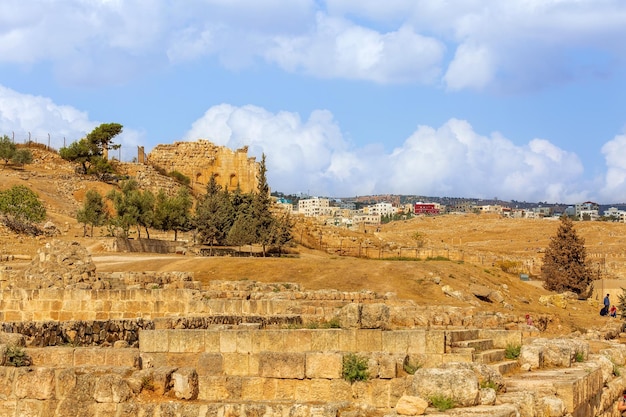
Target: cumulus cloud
<point>24,116</point>
<point>615,178</point>
<point>452,160</point>
<point>473,45</point>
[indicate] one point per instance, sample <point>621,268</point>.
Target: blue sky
<point>519,99</point>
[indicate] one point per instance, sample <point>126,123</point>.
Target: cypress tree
<point>564,263</point>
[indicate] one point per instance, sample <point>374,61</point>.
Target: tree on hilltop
<point>564,263</point>
<point>90,150</point>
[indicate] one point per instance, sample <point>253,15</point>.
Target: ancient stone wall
<point>202,159</point>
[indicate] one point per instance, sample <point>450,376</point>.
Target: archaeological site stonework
<point>202,159</point>
<point>78,342</point>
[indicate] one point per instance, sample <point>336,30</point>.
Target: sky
<point>517,100</point>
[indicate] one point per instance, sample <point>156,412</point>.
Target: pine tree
<point>564,263</point>
<point>93,212</point>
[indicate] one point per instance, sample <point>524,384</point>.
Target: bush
<point>355,368</point>
<point>16,356</point>
<point>441,402</point>
<point>180,177</point>
<point>512,351</point>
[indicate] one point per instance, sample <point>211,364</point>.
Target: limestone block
<point>8,408</point>
<point>375,316</point>
<point>313,390</point>
<point>64,382</point>
<point>325,340</point>
<point>236,364</point>
<point>298,340</point>
<point>35,383</point>
<point>324,365</point>
<point>551,406</point>
<point>153,340</point>
<point>285,390</point>
<point>434,342</point>
<point>409,405</point>
<point>252,389</point>
<point>51,356</point>
<point>616,353</point>
<point>348,340</point>
<point>212,341</point>
<point>369,340</point>
<point>186,341</point>
<point>30,408</point>
<point>106,409</point>
<point>396,341</point>
<point>228,341</point>
<point>122,357</point>
<point>282,365</point>
<point>487,396</point>
<point>88,356</point>
<point>12,339</point>
<point>380,393</point>
<point>272,340</point>
<point>605,365</point>
<point>531,357</point>
<point>387,365</point>
<point>210,364</point>
<point>217,388</point>
<point>111,388</point>
<point>350,316</point>
<point>243,341</point>
<point>459,384</point>
<point>185,383</point>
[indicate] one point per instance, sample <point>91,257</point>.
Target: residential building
<point>426,208</point>
<point>313,207</point>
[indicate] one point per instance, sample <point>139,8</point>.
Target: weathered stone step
<point>458,335</point>
<point>505,367</point>
<point>490,356</point>
<point>502,410</point>
<point>477,344</point>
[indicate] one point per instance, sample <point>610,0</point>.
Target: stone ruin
<point>148,344</point>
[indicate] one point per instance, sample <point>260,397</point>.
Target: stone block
<point>325,340</point>
<point>153,360</point>
<point>212,341</point>
<point>122,357</point>
<point>348,341</point>
<point>285,390</point>
<point>88,356</point>
<point>298,340</point>
<point>186,341</point>
<point>185,383</point>
<point>106,409</point>
<point>258,389</point>
<point>434,342</point>
<point>153,340</point>
<point>236,364</point>
<point>411,406</point>
<point>51,356</point>
<point>282,365</point>
<point>461,385</point>
<point>181,359</point>
<point>272,340</point>
<point>369,340</point>
<point>501,338</point>
<point>218,388</point>
<point>111,388</point>
<point>35,383</point>
<point>243,341</point>
<point>228,341</point>
<point>396,341</point>
<point>324,365</point>
<point>65,381</point>
<point>210,363</point>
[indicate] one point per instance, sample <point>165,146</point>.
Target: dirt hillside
<point>477,248</point>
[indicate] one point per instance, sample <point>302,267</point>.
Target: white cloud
<point>507,44</point>
<point>452,160</point>
<point>24,116</point>
<point>615,179</point>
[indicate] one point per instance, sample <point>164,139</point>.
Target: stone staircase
<point>469,344</point>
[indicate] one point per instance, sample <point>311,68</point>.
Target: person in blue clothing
<point>607,305</point>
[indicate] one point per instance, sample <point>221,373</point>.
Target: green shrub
<point>441,402</point>
<point>147,383</point>
<point>580,356</point>
<point>16,356</point>
<point>512,351</point>
<point>332,324</point>
<point>489,384</point>
<point>355,368</point>
<point>180,177</point>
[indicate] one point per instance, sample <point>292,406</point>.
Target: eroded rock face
<point>61,264</point>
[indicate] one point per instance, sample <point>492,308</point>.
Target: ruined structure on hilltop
<point>202,159</point>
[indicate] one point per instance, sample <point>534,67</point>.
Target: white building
<point>314,207</point>
<point>382,209</point>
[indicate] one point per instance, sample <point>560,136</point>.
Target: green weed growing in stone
<point>512,351</point>
<point>441,402</point>
<point>16,356</point>
<point>355,368</point>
